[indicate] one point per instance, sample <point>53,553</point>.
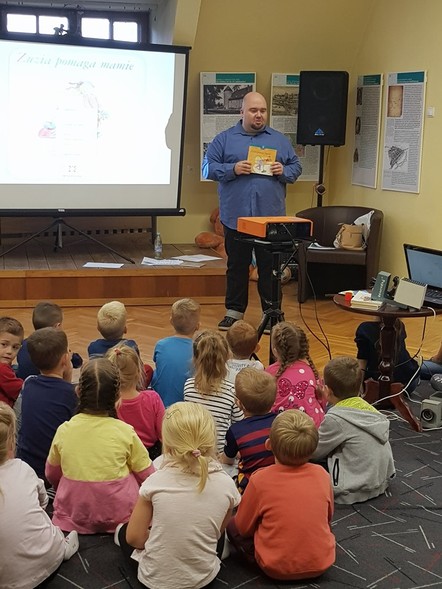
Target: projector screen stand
<point>59,222</point>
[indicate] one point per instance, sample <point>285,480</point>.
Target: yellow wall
<point>263,37</point>
<point>402,35</point>
<point>360,36</point>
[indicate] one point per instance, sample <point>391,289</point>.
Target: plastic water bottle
<point>158,246</point>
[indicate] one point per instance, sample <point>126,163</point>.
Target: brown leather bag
<point>350,237</point>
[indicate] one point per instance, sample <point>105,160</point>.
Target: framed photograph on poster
<point>284,118</point>
<point>221,96</point>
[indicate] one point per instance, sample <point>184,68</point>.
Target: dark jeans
<point>239,258</point>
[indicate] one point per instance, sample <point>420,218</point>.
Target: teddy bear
<point>213,239</point>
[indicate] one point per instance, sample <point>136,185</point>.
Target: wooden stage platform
<point>35,272</point>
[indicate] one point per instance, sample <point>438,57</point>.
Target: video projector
<point>276,228</point>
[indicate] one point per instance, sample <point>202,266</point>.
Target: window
<point>21,23</point>
<point>130,27</point>
<point>53,25</point>
<point>97,28</point>
<point>125,31</point>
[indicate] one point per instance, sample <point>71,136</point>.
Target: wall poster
<point>404,118</point>
<point>366,130</point>
<point>284,118</point>
<point>221,100</point>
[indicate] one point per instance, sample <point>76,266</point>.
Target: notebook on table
<point>425,266</point>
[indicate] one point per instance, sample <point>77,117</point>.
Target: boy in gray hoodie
<point>353,437</point>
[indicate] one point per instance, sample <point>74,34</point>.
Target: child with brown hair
<point>209,386</point>
<point>255,395</point>
<point>45,314</point>
<point>96,462</point>
<point>11,337</point>
<point>283,520</point>
<point>142,409</point>
<point>173,354</point>
<point>353,437</point>
<point>32,548</point>
<point>296,374</point>
<point>48,399</point>
<point>242,338</point>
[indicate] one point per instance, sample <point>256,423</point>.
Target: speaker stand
<point>319,187</point>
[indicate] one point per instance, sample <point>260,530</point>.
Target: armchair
<point>330,271</point>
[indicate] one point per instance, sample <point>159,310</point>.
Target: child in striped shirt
<point>209,385</point>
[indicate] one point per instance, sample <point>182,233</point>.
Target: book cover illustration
<point>261,159</point>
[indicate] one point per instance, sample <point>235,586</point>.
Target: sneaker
<point>71,545</point>
<point>226,323</point>
<point>117,531</point>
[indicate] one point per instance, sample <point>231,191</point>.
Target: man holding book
<point>252,163</point>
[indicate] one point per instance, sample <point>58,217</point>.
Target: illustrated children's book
<point>261,159</point>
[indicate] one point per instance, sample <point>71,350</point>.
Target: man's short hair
<point>111,320</point>
<point>46,314</point>
<point>256,390</point>
<point>12,326</point>
<point>344,376</point>
<point>242,339</point>
<point>185,316</point>
<point>46,347</point>
<point>293,437</point>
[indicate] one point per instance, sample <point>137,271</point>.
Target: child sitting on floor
<point>96,462</point>
<point>179,520</point>
<point>32,548</point>
<point>283,521</point>
<point>143,410</point>
<point>45,314</point>
<point>11,337</point>
<point>47,400</point>
<point>173,355</point>
<point>243,342</point>
<point>297,377</point>
<point>111,323</point>
<point>353,437</point>
<point>209,386</point>
<point>255,395</point>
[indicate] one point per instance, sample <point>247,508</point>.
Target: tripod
<point>273,314</point>
<point>59,222</point>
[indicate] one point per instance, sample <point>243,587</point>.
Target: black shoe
<point>436,382</point>
<point>226,323</point>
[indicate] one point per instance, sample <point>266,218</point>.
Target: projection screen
<point>91,129</point>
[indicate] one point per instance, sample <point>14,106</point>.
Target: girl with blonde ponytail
<point>179,520</point>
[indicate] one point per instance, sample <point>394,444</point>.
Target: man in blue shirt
<point>246,194</point>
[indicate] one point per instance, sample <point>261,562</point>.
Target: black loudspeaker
<point>322,108</point>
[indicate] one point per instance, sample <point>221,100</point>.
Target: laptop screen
<point>424,265</point>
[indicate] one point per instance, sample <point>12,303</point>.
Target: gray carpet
<point>393,541</point>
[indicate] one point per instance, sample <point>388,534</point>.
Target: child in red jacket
<point>11,337</point>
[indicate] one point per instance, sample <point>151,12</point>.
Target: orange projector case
<point>257,226</point>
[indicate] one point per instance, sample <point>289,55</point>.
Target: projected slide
<point>76,115</point>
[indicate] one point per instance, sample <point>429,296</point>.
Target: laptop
<point>425,266</point>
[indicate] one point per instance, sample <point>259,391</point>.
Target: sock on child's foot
<point>71,545</point>
<point>117,531</point>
